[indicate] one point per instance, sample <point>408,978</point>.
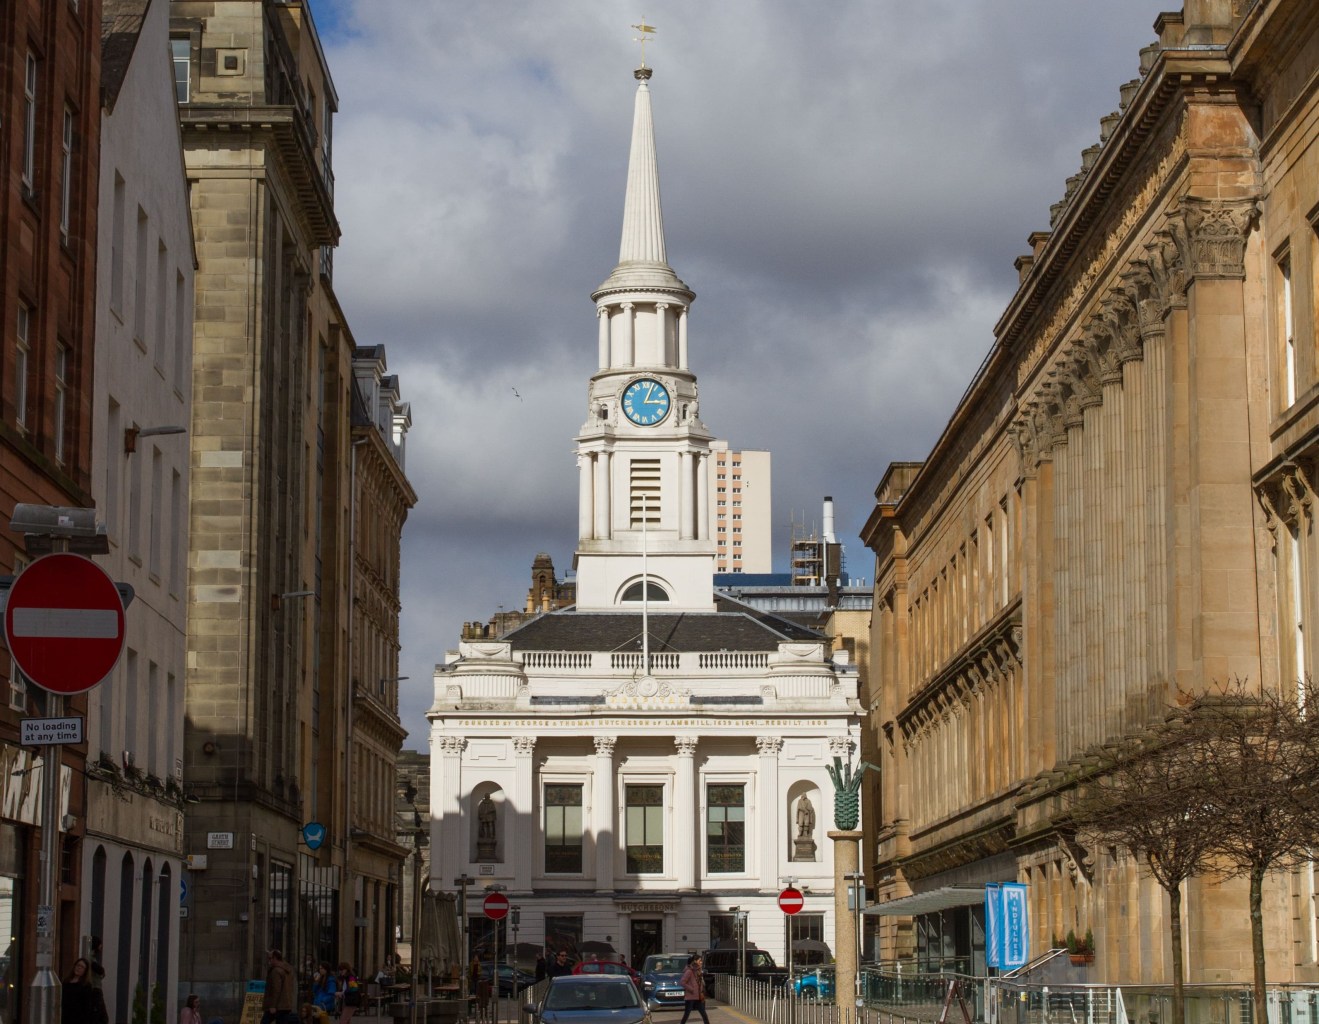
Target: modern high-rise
<point>741,510</point>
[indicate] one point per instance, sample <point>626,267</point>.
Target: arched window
<point>654,592</point>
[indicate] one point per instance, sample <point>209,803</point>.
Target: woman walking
<point>351,990</point>
<point>323,990</point>
<point>81,1002</point>
<point>693,989</point>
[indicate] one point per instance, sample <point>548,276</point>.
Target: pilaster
<point>603,825</point>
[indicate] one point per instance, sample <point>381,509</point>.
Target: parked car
<point>590,999</point>
<point>601,966</point>
<point>661,980</point>
<point>511,979</point>
<point>759,964</point>
<point>817,983</point>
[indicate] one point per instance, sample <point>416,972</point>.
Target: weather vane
<point>645,30</point>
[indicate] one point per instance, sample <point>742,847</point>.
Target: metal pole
<point>44,1006</point>
<point>463,881</point>
<point>416,920</point>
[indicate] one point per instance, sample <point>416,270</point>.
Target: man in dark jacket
<point>277,1003</point>
<point>561,966</point>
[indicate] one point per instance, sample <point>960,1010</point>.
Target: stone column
<point>846,860</point>
<point>1212,235</point>
<point>702,496</point>
<point>602,315</point>
<point>682,338</point>
<point>449,857</point>
<point>585,493</point>
<point>684,814</point>
<point>662,355</point>
<point>603,826</point>
<point>602,530</point>
<point>523,830</point>
<point>686,496</point>
<point>628,324</point>
<point>772,842</point>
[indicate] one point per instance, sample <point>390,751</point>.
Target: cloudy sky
<point>845,187</point>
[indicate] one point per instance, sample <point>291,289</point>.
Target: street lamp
<point>462,882</point>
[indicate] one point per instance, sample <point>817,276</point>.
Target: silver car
<point>591,999</point>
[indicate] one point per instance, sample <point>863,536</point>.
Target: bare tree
<point>1144,797</point>
<point>1256,765</point>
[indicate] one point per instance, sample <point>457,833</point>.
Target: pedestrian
<point>350,990</point>
<point>192,1010</point>
<point>97,961</point>
<point>561,965</point>
<point>81,1002</point>
<point>277,1002</point>
<point>542,968</point>
<point>693,989</point>
<point>324,989</point>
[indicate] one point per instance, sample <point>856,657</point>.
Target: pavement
<point>719,1013</point>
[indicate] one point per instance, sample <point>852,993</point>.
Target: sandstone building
<point>298,499</point>
<point>1119,509</point>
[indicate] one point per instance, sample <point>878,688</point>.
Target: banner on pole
<point>1007,941</point>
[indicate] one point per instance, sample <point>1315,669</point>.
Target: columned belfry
<point>643,497</point>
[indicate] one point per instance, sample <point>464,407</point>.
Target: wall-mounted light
<point>277,600</point>
<point>131,434</point>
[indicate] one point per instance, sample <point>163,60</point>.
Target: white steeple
<point>642,451</point>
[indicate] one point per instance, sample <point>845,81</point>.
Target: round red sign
<point>495,906</point>
<point>64,623</point>
<point>791,900</point>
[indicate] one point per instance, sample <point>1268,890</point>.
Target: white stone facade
<point>633,768</point>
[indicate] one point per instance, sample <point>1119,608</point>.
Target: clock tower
<point>644,504</point>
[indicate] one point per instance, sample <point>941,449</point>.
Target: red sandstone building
<point>50,60</point>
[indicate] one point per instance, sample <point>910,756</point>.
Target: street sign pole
<point>45,1002</point>
<point>64,627</point>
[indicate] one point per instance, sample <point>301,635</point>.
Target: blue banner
<point>993,925</point>
<point>1016,938</point>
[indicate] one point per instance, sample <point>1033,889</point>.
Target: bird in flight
<point>515,391</point>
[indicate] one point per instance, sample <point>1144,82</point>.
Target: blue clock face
<point>646,401</point>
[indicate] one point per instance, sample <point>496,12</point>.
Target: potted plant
<point>1081,951</point>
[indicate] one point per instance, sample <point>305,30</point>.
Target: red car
<point>608,967</point>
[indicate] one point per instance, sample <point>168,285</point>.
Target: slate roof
<point>734,627</point>
<point>121,25</point>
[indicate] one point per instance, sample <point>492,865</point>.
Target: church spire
<point>643,221</point>
<point>642,261</point>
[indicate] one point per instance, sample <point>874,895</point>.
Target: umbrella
<point>811,946</point>
<point>592,946</point>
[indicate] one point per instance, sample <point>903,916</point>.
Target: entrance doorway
<point>647,938</point>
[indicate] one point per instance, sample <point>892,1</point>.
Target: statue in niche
<point>803,845</point>
<point>485,829</point>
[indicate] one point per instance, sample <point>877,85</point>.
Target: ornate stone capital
<point>839,746</point>
<point>685,745</point>
<point>452,744</point>
<point>604,746</point>
<point>1211,236</point>
<point>524,746</point>
<point>769,745</point>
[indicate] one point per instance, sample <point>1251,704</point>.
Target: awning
<point>931,902</point>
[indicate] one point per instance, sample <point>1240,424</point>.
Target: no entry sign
<point>495,906</point>
<point>791,900</point>
<point>64,623</point>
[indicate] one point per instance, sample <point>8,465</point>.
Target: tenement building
<point>639,767</point>
<point>1118,510</point>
